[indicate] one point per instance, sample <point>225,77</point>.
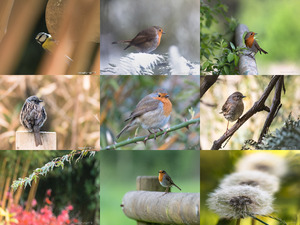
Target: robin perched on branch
<point>252,44</point>
<point>145,41</point>
<point>152,112</point>
<point>166,181</point>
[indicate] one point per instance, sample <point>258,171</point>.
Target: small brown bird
<point>145,41</point>
<point>33,116</point>
<point>166,181</point>
<point>252,44</point>
<point>233,107</point>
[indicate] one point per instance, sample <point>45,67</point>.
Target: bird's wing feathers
<point>145,105</point>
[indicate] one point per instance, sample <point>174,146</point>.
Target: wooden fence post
<point>152,207</point>
<point>25,141</point>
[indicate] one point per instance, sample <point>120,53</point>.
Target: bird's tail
<point>177,186</point>
<point>121,132</point>
<point>123,41</point>
<point>261,50</point>
<point>37,136</point>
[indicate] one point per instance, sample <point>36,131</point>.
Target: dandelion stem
<point>258,219</point>
<point>238,221</point>
<point>253,221</point>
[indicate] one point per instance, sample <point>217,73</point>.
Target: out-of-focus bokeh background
<point>286,202</point>
<point>73,24</point>
<point>69,193</point>
<point>72,103</point>
<point>120,95</point>
<point>213,124</point>
<point>122,20</point>
<point>277,25</point>
<point>119,171</point>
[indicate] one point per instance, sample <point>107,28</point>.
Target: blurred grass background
<point>119,169</point>
<point>120,95</point>
<point>287,201</point>
<point>72,104</point>
<point>213,125</point>
<point>277,25</point>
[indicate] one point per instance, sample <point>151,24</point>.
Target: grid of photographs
<point>90,90</point>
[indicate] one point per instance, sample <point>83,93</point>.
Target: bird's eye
<point>159,95</point>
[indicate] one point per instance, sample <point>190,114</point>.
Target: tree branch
<point>142,138</point>
<point>209,80</point>
<point>276,105</point>
<point>257,107</point>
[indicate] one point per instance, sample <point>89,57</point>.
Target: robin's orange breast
<point>160,177</point>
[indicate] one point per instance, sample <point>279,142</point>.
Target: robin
<point>145,41</point>
<point>166,181</point>
<point>152,112</point>
<point>252,44</point>
<point>233,107</point>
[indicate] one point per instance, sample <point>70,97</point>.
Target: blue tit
<point>46,40</point>
<point>48,43</point>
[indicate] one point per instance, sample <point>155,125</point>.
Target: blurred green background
<point>119,170</point>
<point>287,200</point>
<point>119,96</point>
<point>277,25</point>
<point>213,124</point>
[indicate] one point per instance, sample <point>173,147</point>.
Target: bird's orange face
<point>164,98</point>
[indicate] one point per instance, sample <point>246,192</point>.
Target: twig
<point>257,107</point>
<point>142,138</point>
<point>208,81</point>
<point>276,105</point>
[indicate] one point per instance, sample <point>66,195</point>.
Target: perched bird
<point>145,41</point>
<point>252,44</point>
<point>166,181</point>
<point>152,112</point>
<point>33,116</point>
<point>233,107</point>
<point>48,43</point>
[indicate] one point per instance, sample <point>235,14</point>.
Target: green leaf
<point>236,60</point>
<point>232,45</point>
<point>205,65</point>
<point>230,57</point>
<point>226,69</point>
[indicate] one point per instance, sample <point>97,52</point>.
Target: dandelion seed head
<point>265,162</point>
<point>265,181</point>
<point>240,201</point>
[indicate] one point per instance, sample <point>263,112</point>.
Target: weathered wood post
<point>25,141</point>
<point>152,207</point>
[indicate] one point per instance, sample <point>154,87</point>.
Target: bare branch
<point>257,107</point>
<point>209,80</point>
<point>276,105</point>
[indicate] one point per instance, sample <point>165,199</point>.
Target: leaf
<point>205,65</point>
<point>232,45</point>
<point>230,57</point>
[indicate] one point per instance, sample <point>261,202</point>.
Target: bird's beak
<point>244,96</point>
<point>255,33</point>
<point>163,32</point>
<point>40,100</point>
